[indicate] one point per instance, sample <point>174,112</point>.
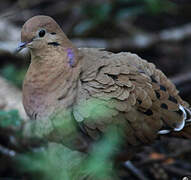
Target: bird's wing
<point>123,89</point>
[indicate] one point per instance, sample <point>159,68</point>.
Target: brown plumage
<point>97,87</point>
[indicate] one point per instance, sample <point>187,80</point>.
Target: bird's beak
<point>21,46</point>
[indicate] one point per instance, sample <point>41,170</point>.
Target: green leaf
<point>158,6</point>
<point>53,162</point>
<point>10,118</point>
<point>100,164</point>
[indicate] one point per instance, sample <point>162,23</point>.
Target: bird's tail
<point>185,132</point>
<point>183,128</point>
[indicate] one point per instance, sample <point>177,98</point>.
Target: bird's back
<point>127,90</point>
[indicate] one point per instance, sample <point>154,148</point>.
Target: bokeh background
<point>157,30</point>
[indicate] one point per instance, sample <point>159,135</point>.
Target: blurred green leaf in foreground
<point>9,118</point>
<point>60,163</point>
<point>55,160</point>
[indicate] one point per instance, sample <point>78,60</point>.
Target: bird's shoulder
<point>121,75</point>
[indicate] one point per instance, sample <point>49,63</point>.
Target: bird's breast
<point>34,101</point>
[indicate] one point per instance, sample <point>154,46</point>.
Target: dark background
<point>157,30</point>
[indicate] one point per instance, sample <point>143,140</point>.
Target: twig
<point>177,171</point>
<point>138,40</point>
<point>182,82</point>
<point>181,78</point>
<point>135,171</point>
<point>7,152</point>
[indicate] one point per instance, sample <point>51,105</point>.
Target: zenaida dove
<point>125,90</point>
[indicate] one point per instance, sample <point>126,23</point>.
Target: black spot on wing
<point>139,101</point>
<point>61,97</point>
<point>179,112</point>
<point>157,94</point>
<point>170,98</point>
<point>149,112</point>
<point>114,77</point>
<point>53,33</point>
<point>153,79</point>
<point>164,106</point>
<point>162,88</point>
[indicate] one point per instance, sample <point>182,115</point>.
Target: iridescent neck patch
<point>71,57</point>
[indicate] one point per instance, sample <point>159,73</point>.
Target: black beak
<point>21,46</point>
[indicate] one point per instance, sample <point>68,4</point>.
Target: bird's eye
<point>41,33</point>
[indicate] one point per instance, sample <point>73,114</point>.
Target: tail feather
<point>183,130</point>
<point>186,131</point>
<point>188,116</point>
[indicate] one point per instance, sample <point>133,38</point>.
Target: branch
<point>177,171</point>
<point>138,41</point>
<point>182,82</point>
<point>7,152</point>
<point>135,171</point>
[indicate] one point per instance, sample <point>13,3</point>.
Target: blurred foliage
<point>9,118</point>
<point>58,162</point>
<point>102,12</point>
<point>137,7</point>
<point>96,14</point>
<point>158,6</point>
<point>14,74</point>
<point>53,162</point>
<point>100,163</point>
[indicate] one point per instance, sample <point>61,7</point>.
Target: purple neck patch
<point>71,57</point>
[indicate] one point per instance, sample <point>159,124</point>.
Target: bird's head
<point>41,31</point>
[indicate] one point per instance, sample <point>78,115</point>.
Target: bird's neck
<point>50,82</point>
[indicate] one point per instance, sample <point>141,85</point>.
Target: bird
<point>96,89</point>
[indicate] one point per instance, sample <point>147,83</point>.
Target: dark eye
<point>41,33</point>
